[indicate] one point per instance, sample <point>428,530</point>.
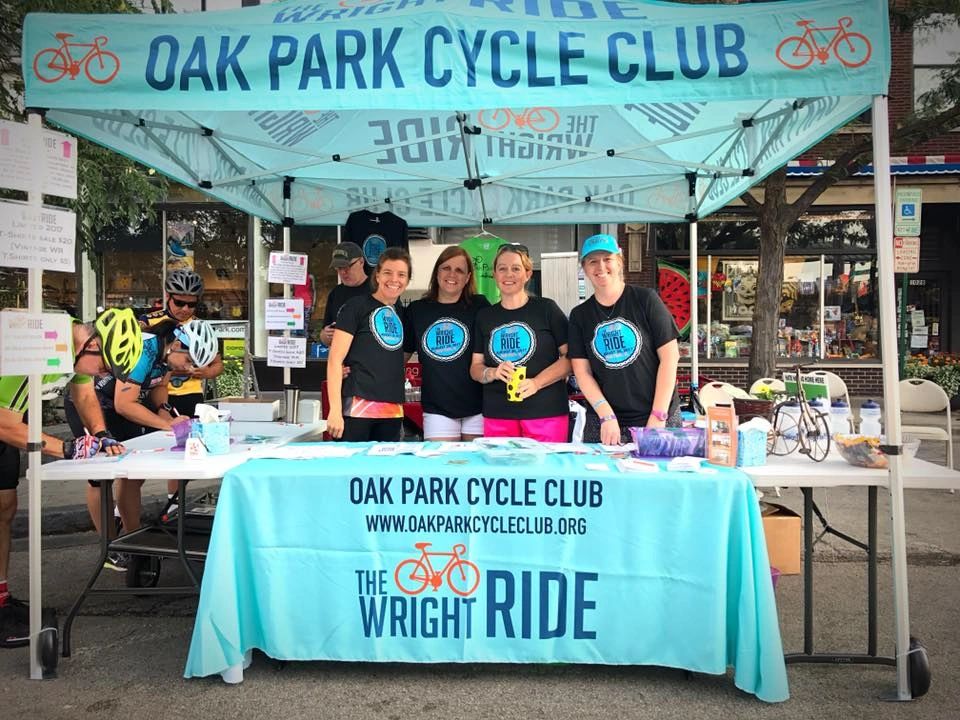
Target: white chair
<point>836,387</point>
<point>717,393</point>
<point>925,396</point>
<point>775,385</point>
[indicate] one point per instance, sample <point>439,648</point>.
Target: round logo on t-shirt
<point>446,339</point>
<point>514,342</point>
<point>616,343</point>
<point>373,248</point>
<point>386,327</point>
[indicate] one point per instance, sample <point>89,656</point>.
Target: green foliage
<point>111,189</point>
<point>946,375</point>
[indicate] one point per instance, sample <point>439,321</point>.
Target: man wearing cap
<point>623,349</point>
<point>347,260</point>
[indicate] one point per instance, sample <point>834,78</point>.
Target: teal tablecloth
<point>569,564</point>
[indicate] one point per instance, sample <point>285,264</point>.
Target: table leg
<point>106,522</point>
<point>872,570</point>
<point>181,521</point>
<point>808,571</point>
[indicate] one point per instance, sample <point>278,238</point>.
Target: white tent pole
<point>286,250</point>
<point>35,419</point>
<point>694,319</point>
<point>708,339</point>
<point>891,406</point>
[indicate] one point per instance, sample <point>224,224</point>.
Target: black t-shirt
<point>374,233</point>
<point>375,357</point>
<point>442,336</point>
<point>339,296</point>
<point>529,336</point>
<point>621,344</point>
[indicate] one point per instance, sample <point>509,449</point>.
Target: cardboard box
<point>781,526</point>
<point>250,410</point>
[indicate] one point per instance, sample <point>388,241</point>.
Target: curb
<point>65,520</point>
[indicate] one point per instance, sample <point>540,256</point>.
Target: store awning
<point>899,165</point>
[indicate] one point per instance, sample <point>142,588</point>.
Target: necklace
<point>607,314</point>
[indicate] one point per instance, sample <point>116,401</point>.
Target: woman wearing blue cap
<point>623,348</point>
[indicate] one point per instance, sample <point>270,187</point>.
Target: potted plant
<point>942,369</point>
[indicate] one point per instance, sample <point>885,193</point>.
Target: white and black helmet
<point>198,337</point>
<point>184,282</point>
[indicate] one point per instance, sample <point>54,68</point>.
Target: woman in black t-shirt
<point>623,347</point>
<point>528,332</point>
<point>368,403</point>
<point>439,329</point>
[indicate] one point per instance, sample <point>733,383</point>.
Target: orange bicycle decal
<point>99,65</point>
<point>539,119</point>
<point>414,575</point>
<point>852,49</point>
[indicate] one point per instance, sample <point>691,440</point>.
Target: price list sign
<point>32,237</point>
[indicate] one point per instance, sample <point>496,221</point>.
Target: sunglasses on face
<point>184,303</point>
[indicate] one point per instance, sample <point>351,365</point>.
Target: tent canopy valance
<point>452,113</point>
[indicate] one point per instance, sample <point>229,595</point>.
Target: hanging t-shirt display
<point>375,357</point>
<point>442,336</point>
<point>483,250</point>
<point>374,233</point>
<point>529,336</point>
<point>621,342</point>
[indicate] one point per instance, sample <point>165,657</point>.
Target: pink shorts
<point>548,429</point>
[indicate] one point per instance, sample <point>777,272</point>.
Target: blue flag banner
<point>596,110</point>
<point>451,559</point>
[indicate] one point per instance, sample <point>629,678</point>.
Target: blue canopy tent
<point>464,112</point>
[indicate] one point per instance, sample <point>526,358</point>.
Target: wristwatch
<point>659,415</point>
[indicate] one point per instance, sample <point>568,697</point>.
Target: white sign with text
<point>288,268</point>
<point>32,237</point>
<point>35,343</point>
<point>906,254</point>
<point>284,314</point>
<point>286,351</point>
<point>20,163</point>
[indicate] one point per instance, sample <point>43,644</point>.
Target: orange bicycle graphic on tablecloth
<point>539,119</point>
<point>853,49</point>
<point>99,65</point>
<point>414,575</point>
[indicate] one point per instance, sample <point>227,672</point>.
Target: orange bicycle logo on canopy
<point>55,63</point>
<point>852,49</point>
<point>414,575</point>
<point>539,119</point>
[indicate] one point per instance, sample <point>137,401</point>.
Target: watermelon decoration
<point>673,283</point>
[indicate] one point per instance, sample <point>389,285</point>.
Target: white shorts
<point>441,426</point>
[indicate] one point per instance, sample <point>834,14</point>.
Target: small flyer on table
<point>722,435</point>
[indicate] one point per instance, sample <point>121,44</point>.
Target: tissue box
<point>249,410</point>
<point>216,436</point>
<point>751,448</point>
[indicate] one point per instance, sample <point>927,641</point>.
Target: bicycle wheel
<point>853,50</point>
<point>795,52</point>
<point>494,119</point>
<point>463,577</point>
<point>50,65</point>
<point>543,119</point>
<point>411,576</point>
<point>784,438</point>
<point>814,436</point>
<point>102,68</point>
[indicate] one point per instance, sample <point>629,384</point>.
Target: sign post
<point>908,205</point>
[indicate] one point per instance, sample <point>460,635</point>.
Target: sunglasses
<point>184,303</point>
<point>85,348</point>
<point>513,247</point>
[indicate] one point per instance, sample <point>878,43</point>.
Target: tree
<point>940,113</point>
<point>110,188</point>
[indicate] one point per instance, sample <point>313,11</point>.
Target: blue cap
<point>599,243</point>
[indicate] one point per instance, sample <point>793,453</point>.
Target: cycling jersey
<point>179,384</point>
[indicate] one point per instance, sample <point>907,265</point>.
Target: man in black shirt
<point>347,260</point>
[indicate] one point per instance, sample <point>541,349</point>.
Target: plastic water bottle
<point>820,405</point>
<point>870,419</point>
<point>839,417</point>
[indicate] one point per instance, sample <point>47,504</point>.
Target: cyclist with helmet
<point>112,344</point>
<point>184,288</point>
<point>138,403</point>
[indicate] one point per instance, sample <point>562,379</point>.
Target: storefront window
<point>828,303</point>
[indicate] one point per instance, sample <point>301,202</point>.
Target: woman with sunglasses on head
<point>138,404</point>
<point>623,346</point>
<point>184,289</point>
<point>368,403</point>
<point>439,328</point>
<point>521,331</point>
